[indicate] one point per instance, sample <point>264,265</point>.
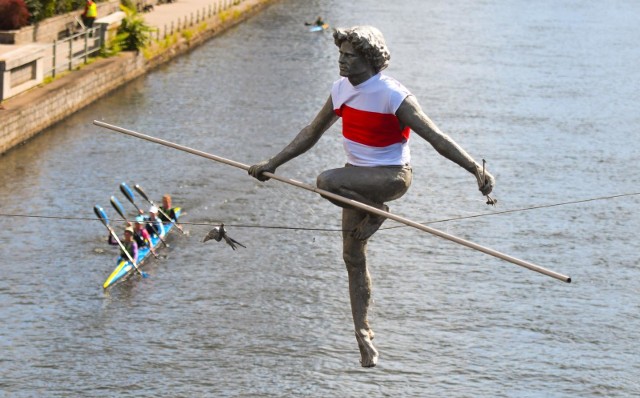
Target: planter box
<point>109,25</point>
<point>21,68</point>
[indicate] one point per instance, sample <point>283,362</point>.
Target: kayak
<point>125,268</point>
<point>318,28</point>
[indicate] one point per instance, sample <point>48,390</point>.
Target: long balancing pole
<point>348,201</point>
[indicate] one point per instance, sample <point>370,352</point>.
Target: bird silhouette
<point>219,233</point>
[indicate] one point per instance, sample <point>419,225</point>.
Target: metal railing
<point>182,23</point>
<point>72,51</point>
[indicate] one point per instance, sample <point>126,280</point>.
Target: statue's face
<point>352,64</point>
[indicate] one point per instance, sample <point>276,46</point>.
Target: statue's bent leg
<point>354,254</point>
<point>372,186</point>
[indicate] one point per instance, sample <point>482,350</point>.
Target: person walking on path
<point>378,114</point>
<point>90,14</point>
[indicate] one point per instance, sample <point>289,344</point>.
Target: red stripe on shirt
<point>371,128</point>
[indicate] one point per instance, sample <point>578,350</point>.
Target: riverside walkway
<point>163,15</point>
<point>30,112</point>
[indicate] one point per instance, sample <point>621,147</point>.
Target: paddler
<point>141,235</point>
<point>154,225</point>
<point>129,244</point>
<point>318,22</point>
<point>167,209</point>
<point>378,113</point>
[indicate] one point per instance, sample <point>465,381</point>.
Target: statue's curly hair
<point>368,41</point>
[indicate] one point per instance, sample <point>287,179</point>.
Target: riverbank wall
<point>29,113</point>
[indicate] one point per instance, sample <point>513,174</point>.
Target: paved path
<point>163,15</point>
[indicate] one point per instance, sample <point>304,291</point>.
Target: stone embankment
<point>27,114</point>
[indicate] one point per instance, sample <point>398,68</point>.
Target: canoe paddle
<point>128,193</point>
<point>105,221</point>
<point>116,205</point>
<point>144,195</point>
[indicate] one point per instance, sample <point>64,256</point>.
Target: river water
<point>547,92</point>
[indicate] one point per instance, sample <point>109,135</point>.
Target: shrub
<point>13,14</point>
<point>64,6</point>
<point>48,8</point>
<point>133,34</point>
<point>35,10</point>
<point>128,4</point>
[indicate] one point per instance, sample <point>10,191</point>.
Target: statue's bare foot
<point>368,353</point>
<point>368,226</point>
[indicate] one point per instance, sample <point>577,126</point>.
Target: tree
<point>13,14</point>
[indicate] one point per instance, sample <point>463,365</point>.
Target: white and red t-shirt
<point>372,133</point>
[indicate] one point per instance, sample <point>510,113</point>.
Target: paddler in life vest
<point>377,114</point>
<point>154,225</point>
<point>129,244</point>
<point>167,209</point>
<point>141,235</point>
<point>90,14</point>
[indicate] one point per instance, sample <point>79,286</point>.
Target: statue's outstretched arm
<point>305,140</point>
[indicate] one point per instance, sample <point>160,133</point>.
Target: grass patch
<point>187,34</point>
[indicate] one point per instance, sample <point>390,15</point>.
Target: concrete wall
<point>29,113</point>
<point>63,97</point>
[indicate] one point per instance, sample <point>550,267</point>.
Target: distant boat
<point>318,28</point>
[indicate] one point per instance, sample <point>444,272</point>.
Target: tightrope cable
<point>212,223</point>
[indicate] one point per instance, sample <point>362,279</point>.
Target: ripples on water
<point>546,91</point>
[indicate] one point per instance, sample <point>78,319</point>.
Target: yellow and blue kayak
<point>125,269</point>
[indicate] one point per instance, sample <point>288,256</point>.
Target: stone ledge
<point>20,55</point>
